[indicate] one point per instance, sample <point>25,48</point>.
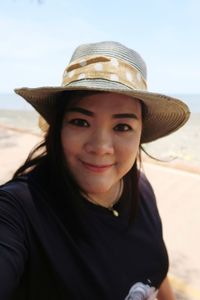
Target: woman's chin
<point>96,190</point>
<point>99,191</point>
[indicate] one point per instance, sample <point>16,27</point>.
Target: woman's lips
<point>97,168</point>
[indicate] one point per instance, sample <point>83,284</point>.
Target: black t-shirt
<point>41,259</point>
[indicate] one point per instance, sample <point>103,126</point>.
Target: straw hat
<point>112,67</point>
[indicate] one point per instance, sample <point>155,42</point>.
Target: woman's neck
<point>109,199</point>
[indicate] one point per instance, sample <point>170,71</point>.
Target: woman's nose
<point>100,143</point>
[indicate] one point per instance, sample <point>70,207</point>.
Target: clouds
<point>37,41</point>
<point>35,52</point>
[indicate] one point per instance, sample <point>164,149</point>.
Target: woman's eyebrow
<point>81,110</point>
<point>90,113</point>
<point>125,115</point>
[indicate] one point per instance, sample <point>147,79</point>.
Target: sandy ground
<point>178,198</point>
<point>14,148</point>
<point>178,195</point>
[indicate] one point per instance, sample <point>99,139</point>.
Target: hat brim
<point>164,115</point>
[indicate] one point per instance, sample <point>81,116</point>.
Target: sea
<point>15,102</point>
<point>183,145</point>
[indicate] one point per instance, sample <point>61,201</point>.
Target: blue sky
<point>37,40</point>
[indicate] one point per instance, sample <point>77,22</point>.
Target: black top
<point>41,259</point>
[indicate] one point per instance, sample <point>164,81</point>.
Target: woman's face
<point>100,137</point>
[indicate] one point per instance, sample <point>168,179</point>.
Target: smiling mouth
<point>97,168</point>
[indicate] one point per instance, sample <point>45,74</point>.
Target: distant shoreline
<point>181,147</point>
<point>13,101</point>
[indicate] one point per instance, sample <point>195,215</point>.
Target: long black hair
<point>50,153</point>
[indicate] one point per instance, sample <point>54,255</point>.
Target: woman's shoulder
<point>13,182</point>
<point>22,185</point>
<point>19,190</point>
<point>13,216</point>
<point>147,196</point>
<point>145,187</point>
<point>13,186</point>
<point>22,199</point>
<point>14,192</point>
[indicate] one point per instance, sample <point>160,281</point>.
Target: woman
<point>78,220</point>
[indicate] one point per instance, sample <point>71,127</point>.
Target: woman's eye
<point>79,122</point>
<point>123,127</point>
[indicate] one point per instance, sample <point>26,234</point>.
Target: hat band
<point>104,67</point>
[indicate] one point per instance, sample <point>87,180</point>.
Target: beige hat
<point>112,67</point>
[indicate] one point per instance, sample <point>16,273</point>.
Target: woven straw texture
<point>164,114</point>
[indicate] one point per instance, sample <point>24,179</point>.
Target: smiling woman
<point>79,220</point>
<point>100,140</point>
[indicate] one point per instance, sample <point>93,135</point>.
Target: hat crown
<point>111,67</point>
<point>112,49</point>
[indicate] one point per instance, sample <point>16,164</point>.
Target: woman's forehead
<point>101,100</point>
